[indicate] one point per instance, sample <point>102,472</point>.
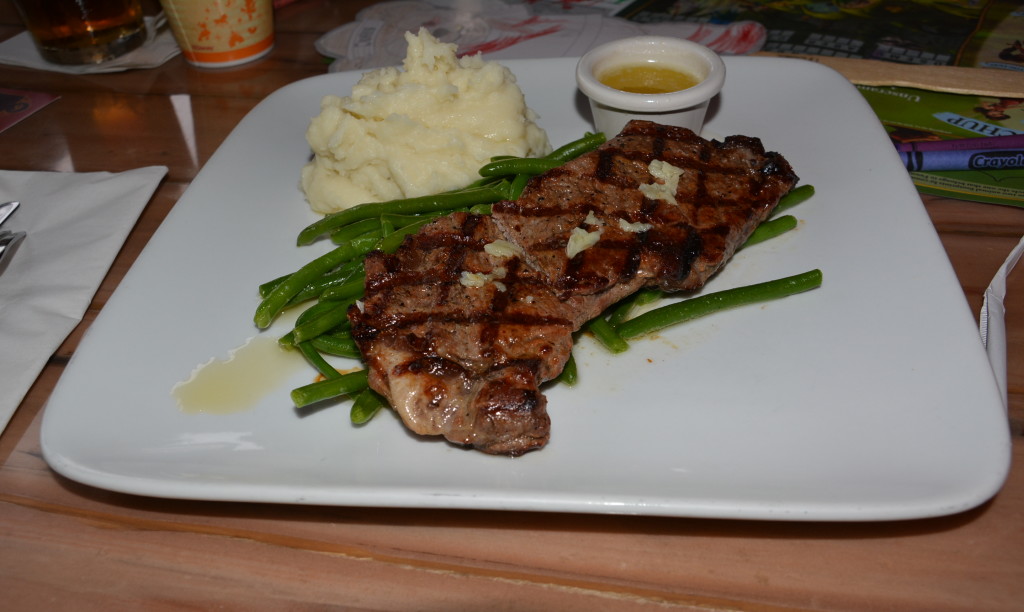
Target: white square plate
<point>870,398</point>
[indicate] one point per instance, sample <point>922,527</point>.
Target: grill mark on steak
<point>467,362</point>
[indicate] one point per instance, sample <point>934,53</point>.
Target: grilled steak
<point>725,189</point>
<point>461,326</point>
<point>459,339</point>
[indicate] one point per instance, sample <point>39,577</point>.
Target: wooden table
<point>66,546</point>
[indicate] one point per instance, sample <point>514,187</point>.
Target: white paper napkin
<point>159,47</point>
<point>993,318</point>
<point>76,224</point>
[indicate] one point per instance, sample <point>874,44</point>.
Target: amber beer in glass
<point>83,31</point>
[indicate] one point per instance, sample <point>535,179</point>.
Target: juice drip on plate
<point>239,382</point>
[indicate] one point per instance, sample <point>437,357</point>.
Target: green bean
<point>351,289</point>
<point>392,242</point>
<point>449,200</point>
<point>340,276</point>
<point>364,243</point>
<point>314,288</point>
<point>341,345</point>
<point>322,323</point>
<point>607,335</point>
<point>578,147</point>
<point>287,341</point>
<point>317,361</point>
<point>366,405</point>
<point>400,221</point>
<point>648,296</point>
<point>517,186</point>
<point>346,384</point>
<point>505,165</point>
<point>403,221</point>
<point>354,230</point>
<point>485,181</point>
<point>314,311</point>
<point>620,312</point>
<point>278,298</point>
<point>679,312</point>
<point>506,189</point>
<point>519,165</point>
<point>622,309</point>
<point>569,374</point>
<point>268,286</point>
<point>794,197</point>
<point>770,229</point>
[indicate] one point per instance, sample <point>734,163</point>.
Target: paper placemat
<point>76,224</point>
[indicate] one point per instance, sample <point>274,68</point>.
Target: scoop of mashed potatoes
<point>422,129</point>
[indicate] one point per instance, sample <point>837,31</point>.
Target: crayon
<point>1012,141</point>
<point>965,159</point>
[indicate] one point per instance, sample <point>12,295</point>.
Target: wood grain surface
<point>949,79</point>
<point>66,546</point>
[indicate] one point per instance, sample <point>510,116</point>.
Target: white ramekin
<point>613,108</point>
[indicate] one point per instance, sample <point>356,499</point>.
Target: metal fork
<point>9,241</point>
<point>7,209</point>
<point>8,244</point>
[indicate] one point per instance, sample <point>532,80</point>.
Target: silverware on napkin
<point>9,241</point>
<point>7,209</point>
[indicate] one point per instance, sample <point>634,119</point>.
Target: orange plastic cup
<point>221,33</point>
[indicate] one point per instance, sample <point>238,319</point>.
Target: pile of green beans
<point>329,284</point>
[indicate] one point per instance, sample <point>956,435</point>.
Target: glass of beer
<point>83,31</point>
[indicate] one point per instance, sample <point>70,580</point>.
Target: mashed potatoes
<point>421,130</point>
